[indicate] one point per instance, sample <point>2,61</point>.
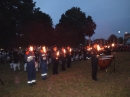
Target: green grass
<point>75,82</point>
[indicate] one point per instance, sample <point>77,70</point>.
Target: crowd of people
<point>39,57</point>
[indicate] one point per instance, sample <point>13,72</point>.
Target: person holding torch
<point>63,58</point>
<point>43,62</point>
<point>68,56</point>
<point>55,60</point>
<point>30,60</point>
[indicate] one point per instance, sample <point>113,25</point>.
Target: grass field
<point>74,82</point>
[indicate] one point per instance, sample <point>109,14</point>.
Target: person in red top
<point>30,60</point>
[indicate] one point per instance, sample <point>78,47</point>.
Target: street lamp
<point>118,36</point>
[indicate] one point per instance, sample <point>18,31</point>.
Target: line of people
<point>56,56</point>
<point>40,58</point>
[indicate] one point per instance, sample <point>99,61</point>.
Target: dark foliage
<point>74,26</point>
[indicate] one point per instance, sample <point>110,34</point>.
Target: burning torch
<point>64,52</point>
<point>57,54</point>
<point>44,49</point>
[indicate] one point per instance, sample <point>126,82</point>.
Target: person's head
<point>55,48</point>
<point>68,47</point>
<point>63,49</point>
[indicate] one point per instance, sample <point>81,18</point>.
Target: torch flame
<point>44,49</point>
<point>70,49</point>
<point>113,44</point>
<point>31,48</point>
<point>57,53</point>
<point>98,47</point>
<point>64,51</point>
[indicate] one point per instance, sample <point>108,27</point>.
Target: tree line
<point>22,24</point>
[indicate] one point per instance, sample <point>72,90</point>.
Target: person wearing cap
<point>43,62</point>
<point>30,60</point>
<point>55,60</point>
<point>94,62</point>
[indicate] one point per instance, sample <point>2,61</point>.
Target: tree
<point>39,31</point>
<point>90,26</point>
<point>73,27</point>
<point>12,14</point>
<point>112,39</point>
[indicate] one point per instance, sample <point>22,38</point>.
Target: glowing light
<point>119,31</point>
<point>126,32</point>
<point>57,53</point>
<point>64,51</point>
<point>105,46</point>
<point>98,47</point>
<point>70,49</point>
<point>113,44</point>
<point>44,49</point>
<point>89,48</point>
<point>31,48</point>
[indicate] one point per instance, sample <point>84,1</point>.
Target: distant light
<point>119,31</point>
<point>126,32</point>
<point>113,44</point>
<point>19,47</point>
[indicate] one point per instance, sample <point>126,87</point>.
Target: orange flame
<point>113,44</point>
<point>64,51</point>
<point>70,49</point>
<point>31,48</point>
<point>44,49</point>
<point>98,47</point>
<point>57,53</point>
